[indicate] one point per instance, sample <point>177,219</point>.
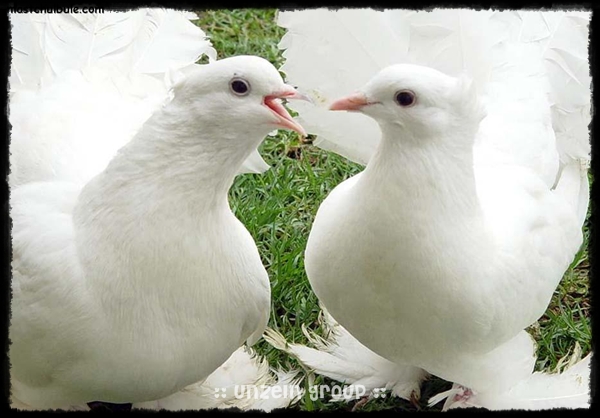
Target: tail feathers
<point>244,381</point>
<point>148,41</point>
<point>29,64</point>
<point>565,53</point>
<point>573,187</point>
<point>341,357</point>
<point>353,44</point>
<point>285,392</point>
<point>567,389</point>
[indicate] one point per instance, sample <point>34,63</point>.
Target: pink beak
<point>285,120</point>
<point>351,103</point>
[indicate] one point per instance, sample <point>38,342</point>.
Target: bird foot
<point>360,403</point>
<point>462,395</point>
<point>460,399</point>
<point>414,399</point>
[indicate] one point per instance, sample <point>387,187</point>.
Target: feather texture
<point>344,48</point>
<point>148,41</point>
<point>244,381</point>
<point>341,357</point>
<point>569,388</point>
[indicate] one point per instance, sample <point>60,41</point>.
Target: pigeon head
<point>240,94</point>
<point>416,101</point>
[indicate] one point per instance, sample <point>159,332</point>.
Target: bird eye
<point>239,86</point>
<point>405,98</point>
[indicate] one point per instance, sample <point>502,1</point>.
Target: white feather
<point>29,66</point>
<point>341,357</point>
<point>569,388</point>
<point>341,43</point>
<point>145,41</point>
<point>246,382</point>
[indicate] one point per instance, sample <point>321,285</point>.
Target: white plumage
<point>470,209</point>
<point>132,278</point>
<point>246,382</point>
<point>339,356</point>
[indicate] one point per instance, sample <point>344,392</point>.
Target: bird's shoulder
<point>339,193</point>
<point>523,213</point>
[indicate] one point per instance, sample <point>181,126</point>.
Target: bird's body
<point>135,280</point>
<point>412,244</point>
<point>120,331</point>
<point>454,238</point>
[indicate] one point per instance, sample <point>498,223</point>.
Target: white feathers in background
<point>332,53</point>
<point>92,80</point>
<point>145,41</point>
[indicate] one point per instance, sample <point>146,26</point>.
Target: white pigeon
<point>474,129</point>
<point>132,278</point>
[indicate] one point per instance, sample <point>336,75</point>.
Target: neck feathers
<point>436,173</point>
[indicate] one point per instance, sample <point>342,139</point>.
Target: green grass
<point>278,208</point>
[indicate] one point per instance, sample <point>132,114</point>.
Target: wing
<point>49,302</point>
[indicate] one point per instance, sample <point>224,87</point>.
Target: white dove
<point>454,238</point>
<point>132,278</point>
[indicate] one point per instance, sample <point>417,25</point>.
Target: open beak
<point>285,120</point>
<point>352,103</point>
